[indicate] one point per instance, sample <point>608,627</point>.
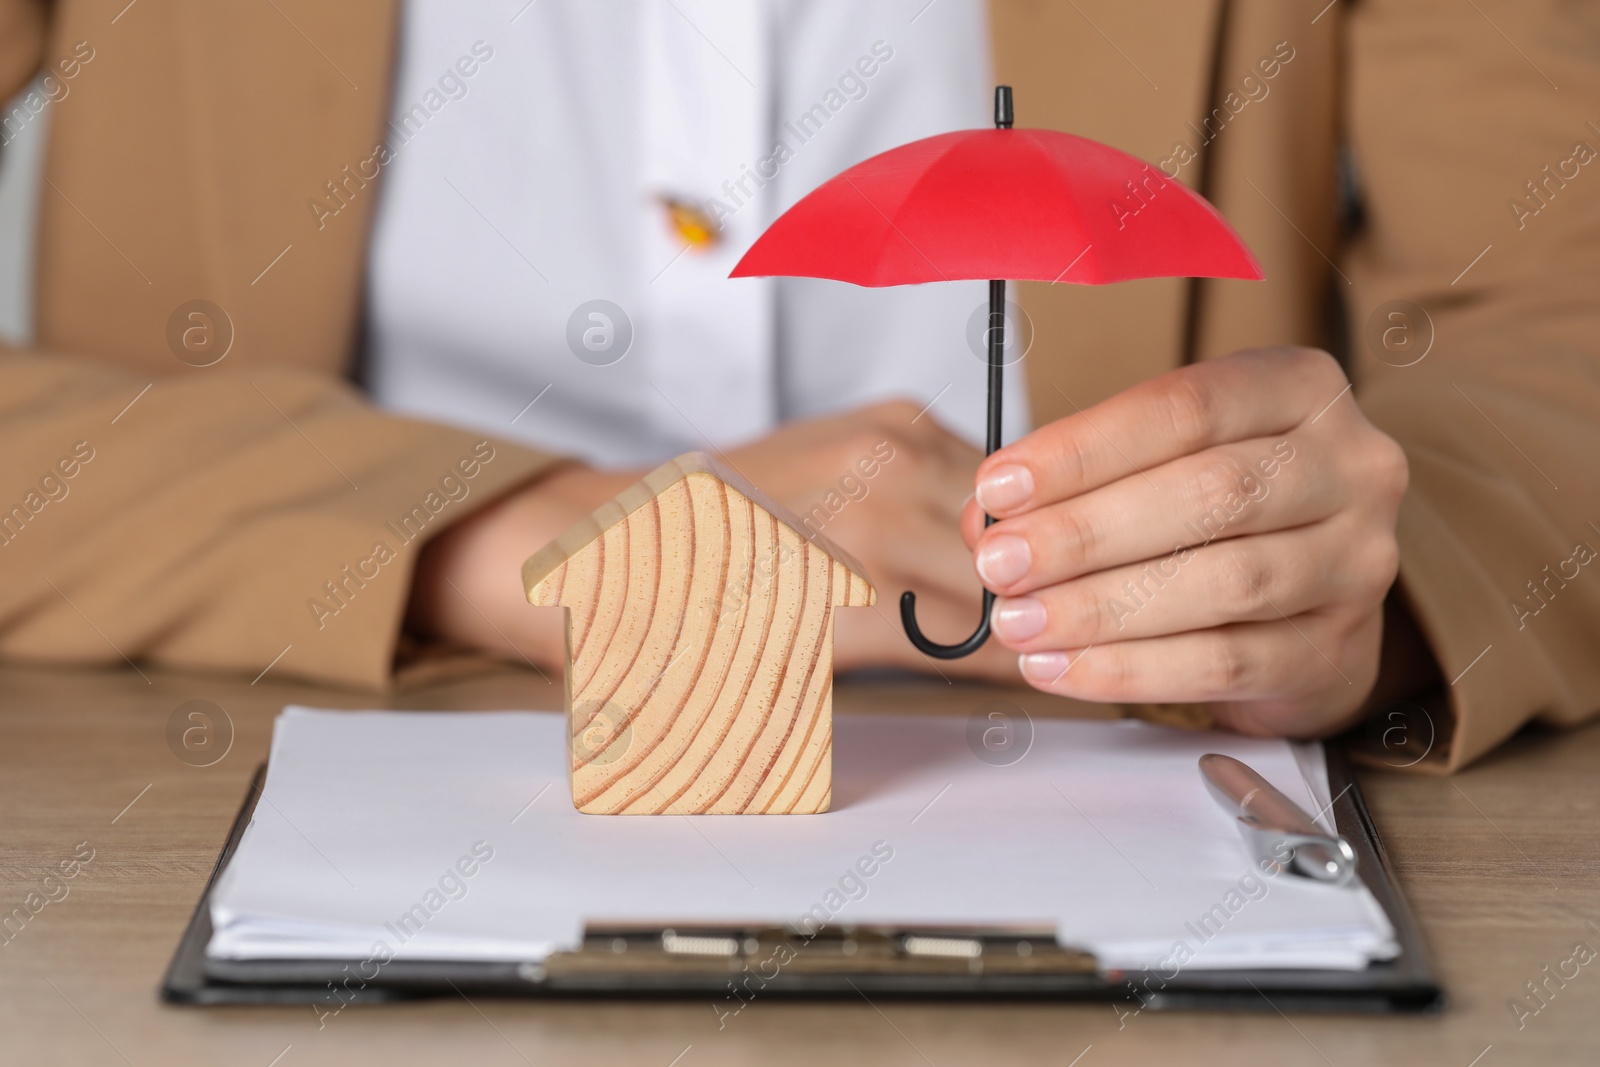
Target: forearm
<point>217,522</point>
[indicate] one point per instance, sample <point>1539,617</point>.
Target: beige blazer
<point>184,516</point>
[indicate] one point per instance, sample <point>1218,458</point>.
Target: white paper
<point>1103,830</point>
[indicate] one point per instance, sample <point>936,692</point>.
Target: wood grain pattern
<point>699,647</point>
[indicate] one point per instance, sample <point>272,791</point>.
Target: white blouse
<point>536,271</point>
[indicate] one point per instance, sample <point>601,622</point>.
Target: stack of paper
<point>452,836</point>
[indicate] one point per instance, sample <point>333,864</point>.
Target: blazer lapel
<point>1134,74</point>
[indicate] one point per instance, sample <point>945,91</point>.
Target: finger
<point>950,495</point>
<point>971,522</point>
<point>909,546</point>
<point>1239,580</point>
<point>1340,706</point>
<point>1228,491</point>
<point>1245,661</point>
<point>1256,393</point>
<point>925,476</point>
<point>916,424</point>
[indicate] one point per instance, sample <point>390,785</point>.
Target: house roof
<point>550,558</point>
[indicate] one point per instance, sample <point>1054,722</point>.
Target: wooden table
<point>1500,864</point>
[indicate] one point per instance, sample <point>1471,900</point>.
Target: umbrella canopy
<point>1037,205</point>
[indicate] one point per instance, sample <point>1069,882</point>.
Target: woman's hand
<point>886,483</point>
<point>1222,534</point>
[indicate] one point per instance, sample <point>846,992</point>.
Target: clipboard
<point>733,964</point>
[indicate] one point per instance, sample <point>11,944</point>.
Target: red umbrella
<point>1002,203</point>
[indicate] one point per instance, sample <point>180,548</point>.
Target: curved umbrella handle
<point>908,619</point>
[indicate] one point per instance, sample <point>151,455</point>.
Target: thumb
<point>971,522</point>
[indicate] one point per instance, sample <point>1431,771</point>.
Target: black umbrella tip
<point>1002,107</point>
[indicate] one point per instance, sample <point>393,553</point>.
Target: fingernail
<point>1019,618</point>
<point>1007,486</point>
<point>1003,559</point>
<point>1043,667</point>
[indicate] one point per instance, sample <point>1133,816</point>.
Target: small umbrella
<point>1004,203</point>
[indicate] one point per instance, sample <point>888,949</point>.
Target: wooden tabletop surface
<point>1500,865</point>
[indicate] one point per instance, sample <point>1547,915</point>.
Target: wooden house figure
<point>699,623</point>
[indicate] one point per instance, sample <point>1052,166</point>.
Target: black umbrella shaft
<point>997,390</point>
<point>997,355</point>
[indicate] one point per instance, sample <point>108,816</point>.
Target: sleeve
<point>226,521</point>
<point>1476,333</point>
<point>22,34</point>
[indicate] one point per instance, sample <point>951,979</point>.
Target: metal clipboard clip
<point>1280,835</point>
